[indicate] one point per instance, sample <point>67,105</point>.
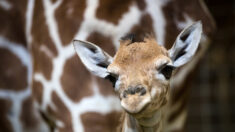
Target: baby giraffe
<point>141,73</point>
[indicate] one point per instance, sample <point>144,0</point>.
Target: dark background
<point>212,97</point>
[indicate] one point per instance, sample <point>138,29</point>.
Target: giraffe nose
<point>135,90</point>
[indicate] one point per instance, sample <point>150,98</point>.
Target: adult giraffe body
<point>64,91</point>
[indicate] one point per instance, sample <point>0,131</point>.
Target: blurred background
<point>212,96</point>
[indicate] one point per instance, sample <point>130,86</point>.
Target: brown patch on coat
<point>53,1</point>
<point>145,27</point>
<point>41,62</point>
<point>40,32</point>
<point>141,4</point>
<point>5,111</point>
<point>76,79</point>
<point>13,74</point>
<point>175,10</point>
<point>96,122</point>
<point>102,41</point>
<point>37,91</point>
<point>61,113</point>
<point>69,16</point>
<point>27,116</point>
<point>112,10</point>
<point>13,22</point>
<point>105,86</point>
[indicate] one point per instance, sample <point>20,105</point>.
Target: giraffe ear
<point>186,44</point>
<point>93,57</point>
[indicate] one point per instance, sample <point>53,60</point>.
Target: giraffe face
<point>141,71</point>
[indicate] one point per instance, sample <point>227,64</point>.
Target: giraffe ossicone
<point>141,72</point>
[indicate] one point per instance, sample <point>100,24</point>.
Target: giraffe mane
<point>135,38</point>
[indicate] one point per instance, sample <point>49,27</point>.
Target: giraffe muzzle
<point>139,90</point>
<point>134,99</point>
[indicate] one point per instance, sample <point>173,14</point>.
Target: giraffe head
<point>141,71</point>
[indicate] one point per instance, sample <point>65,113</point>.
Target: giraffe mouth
<point>135,104</point>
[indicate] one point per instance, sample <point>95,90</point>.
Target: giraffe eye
<point>166,70</point>
<point>112,78</point>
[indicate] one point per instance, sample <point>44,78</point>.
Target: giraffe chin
<point>135,104</point>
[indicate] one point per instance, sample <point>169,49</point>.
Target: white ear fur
<point>93,57</point>
<point>186,44</point>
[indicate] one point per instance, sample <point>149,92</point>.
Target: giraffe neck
<point>152,123</point>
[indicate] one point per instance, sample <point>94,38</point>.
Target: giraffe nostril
<point>125,94</point>
<point>142,91</point>
<point>138,89</point>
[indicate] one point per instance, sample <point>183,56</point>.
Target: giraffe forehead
<point>138,53</point>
